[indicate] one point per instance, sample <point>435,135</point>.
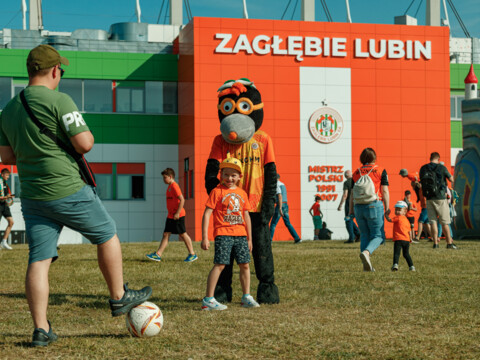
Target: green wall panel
<point>133,129</point>
<point>456,140</point>
<point>99,65</point>
<point>458,73</point>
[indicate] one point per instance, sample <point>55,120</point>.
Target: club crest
<point>326,125</point>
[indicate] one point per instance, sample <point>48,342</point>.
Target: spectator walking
<point>317,216</point>
<point>371,198</point>
<point>6,199</point>
<point>175,223</point>
<point>281,210</point>
<point>352,228</point>
<point>433,177</point>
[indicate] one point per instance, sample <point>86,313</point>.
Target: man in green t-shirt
<point>52,192</point>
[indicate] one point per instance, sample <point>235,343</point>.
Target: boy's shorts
<point>412,221</point>
<point>175,226</point>
<point>82,212</point>
<point>423,218</point>
<point>317,222</point>
<point>225,246</point>
<point>5,210</point>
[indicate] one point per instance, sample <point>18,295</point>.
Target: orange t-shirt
<point>413,177</point>
<point>378,176</point>
<point>228,207</point>
<point>316,209</point>
<point>173,192</point>
<point>253,154</point>
<point>401,228</point>
<point>411,213</point>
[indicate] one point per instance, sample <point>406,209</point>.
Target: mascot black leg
<point>267,292</point>
<point>223,290</point>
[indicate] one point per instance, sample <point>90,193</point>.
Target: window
<point>456,107</point>
<point>74,88</point>
<point>120,181</point>
<point>104,186</point>
<point>130,100</point>
<point>98,96</point>
<point>5,91</point>
<point>161,97</point>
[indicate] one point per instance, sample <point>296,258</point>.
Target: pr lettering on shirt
<point>73,117</point>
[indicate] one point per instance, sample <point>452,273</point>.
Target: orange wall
<point>400,107</point>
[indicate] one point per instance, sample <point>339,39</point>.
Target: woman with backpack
<point>369,203</point>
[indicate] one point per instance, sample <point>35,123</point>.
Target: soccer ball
<point>144,320</point>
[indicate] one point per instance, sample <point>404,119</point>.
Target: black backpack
<point>430,185</point>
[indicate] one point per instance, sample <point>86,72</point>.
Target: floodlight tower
<point>36,18</point>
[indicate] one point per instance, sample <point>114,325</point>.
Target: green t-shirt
<point>46,172</point>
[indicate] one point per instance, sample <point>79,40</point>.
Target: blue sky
<point>68,15</point>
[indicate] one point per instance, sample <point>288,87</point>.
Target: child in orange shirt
<point>316,216</point>
<point>411,210</point>
<point>401,235</point>
<point>175,223</point>
<point>232,232</point>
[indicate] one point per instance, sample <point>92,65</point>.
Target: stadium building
<point>148,93</point>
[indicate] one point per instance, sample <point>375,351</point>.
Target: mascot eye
<point>227,107</point>
<point>244,106</point>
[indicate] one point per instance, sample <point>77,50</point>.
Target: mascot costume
<point>240,110</point>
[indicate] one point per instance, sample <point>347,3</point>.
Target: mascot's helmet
<point>240,110</point>
<point>232,163</point>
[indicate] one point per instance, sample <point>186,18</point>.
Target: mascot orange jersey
<point>253,154</point>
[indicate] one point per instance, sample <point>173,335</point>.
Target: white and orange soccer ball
<point>144,320</point>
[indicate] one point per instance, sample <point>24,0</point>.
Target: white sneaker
<point>249,302</point>
<point>412,268</point>
<point>5,245</point>
<point>212,304</point>
<point>365,257</point>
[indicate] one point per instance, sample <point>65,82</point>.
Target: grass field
<point>329,309</point>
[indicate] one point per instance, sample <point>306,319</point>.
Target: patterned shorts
<point>228,245</point>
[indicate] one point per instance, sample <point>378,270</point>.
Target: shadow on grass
<point>82,336</point>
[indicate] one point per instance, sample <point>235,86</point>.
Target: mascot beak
<point>233,135</point>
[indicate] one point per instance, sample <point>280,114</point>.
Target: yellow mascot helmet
<point>232,163</point>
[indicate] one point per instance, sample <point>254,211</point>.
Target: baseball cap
<point>44,57</point>
<point>232,163</point>
<point>401,204</point>
<point>404,172</point>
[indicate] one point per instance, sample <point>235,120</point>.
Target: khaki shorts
<point>438,208</point>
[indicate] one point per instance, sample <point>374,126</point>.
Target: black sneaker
<point>298,241</point>
<point>42,338</point>
<point>452,246</point>
<point>130,299</point>
<point>435,246</point>
<point>349,242</point>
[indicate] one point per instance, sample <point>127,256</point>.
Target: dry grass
<point>329,308</point>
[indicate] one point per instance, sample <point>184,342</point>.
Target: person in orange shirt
<point>175,223</point>
<point>401,235</point>
<point>411,210</point>
<point>317,216</point>
<point>229,205</point>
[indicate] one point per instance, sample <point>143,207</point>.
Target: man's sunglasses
<point>61,71</point>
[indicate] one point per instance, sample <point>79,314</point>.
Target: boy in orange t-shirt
<point>229,205</point>
<point>175,223</point>
<point>401,235</point>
